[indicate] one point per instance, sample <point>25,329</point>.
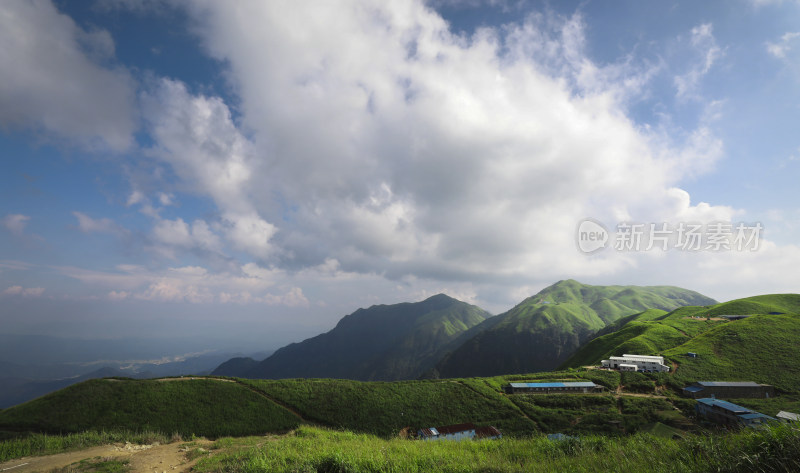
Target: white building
<point>448,432</point>
<point>788,417</point>
<point>636,363</point>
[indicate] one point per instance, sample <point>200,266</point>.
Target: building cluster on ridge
<point>707,393</point>
<point>644,363</point>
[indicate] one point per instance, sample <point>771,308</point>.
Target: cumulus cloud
<point>118,295</point>
<point>381,140</point>
<point>196,136</point>
<point>180,234</point>
<point>15,223</point>
<point>252,284</point>
<point>53,77</point>
<point>23,291</point>
<point>783,46</point>
<point>87,224</point>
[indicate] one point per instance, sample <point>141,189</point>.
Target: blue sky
<point>255,171</point>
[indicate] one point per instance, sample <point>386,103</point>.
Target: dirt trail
<point>170,458</point>
<point>274,401</point>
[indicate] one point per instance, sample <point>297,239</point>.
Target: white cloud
<point>15,223</point>
<point>384,142</point>
<point>23,291</point>
<point>782,47</point>
<point>50,77</point>
<point>118,295</point>
<point>136,197</point>
<point>172,234</point>
<point>293,297</point>
<point>708,52</point>
<point>165,199</point>
<point>87,224</point>
<point>194,284</point>
<point>196,136</point>
<point>249,233</point>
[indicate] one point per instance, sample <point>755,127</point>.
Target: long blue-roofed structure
<point>567,387</point>
<point>728,413</point>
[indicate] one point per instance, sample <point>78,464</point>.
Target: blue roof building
<point>728,413</point>
<point>729,389</point>
<point>574,387</point>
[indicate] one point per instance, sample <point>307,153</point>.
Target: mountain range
<point>444,337</point>
<point>382,342</point>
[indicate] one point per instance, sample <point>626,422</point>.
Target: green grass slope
<point>761,348</point>
<point>540,333</point>
<point>644,334</point>
<point>731,350</point>
<point>385,408</point>
<point>207,407</point>
<point>383,342</point>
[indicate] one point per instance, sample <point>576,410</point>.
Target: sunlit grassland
<point>318,450</point>
<point>762,348</point>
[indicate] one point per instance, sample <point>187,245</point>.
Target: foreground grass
<point>318,450</point>
<point>41,444</point>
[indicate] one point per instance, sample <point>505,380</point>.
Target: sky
<point>250,172</point>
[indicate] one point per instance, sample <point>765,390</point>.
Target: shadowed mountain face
<point>383,342</point>
<point>544,330</point>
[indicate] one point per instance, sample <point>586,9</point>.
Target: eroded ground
<point>170,458</point>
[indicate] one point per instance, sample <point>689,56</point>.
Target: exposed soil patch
<point>155,458</point>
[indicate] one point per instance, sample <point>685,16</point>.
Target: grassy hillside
<point>762,348</point>
<point>214,407</point>
<point>197,406</point>
<point>645,333</point>
<point>385,408</point>
<point>544,330</point>
<point>383,342</point>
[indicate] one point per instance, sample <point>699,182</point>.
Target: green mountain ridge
<point>383,342</point>
<point>542,331</point>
